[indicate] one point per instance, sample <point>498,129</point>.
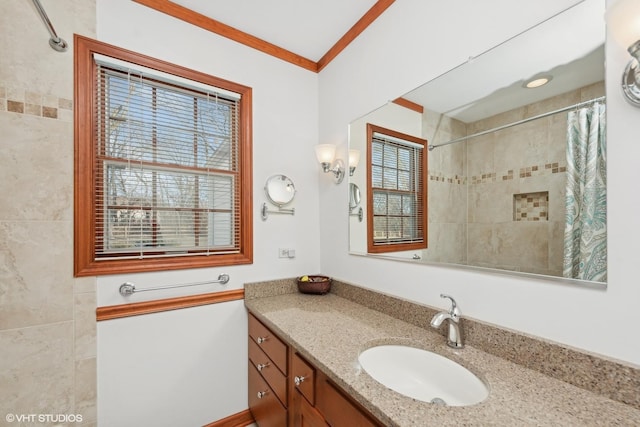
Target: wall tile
<point>38,373</point>
<point>85,390</point>
<point>15,106</point>
<point>36,282</point>
<point>38,155</point>
<point>84,284</point>
<point>37,370</point>
<point>85,325</point>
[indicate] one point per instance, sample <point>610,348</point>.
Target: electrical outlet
<point>286,253</point>
<point>283,253</point>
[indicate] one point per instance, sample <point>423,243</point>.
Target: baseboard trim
<point>241,419</point>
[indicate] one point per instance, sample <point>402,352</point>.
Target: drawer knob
<point>261,340</point>
<point>261,394</point>
<point>298,380</point>
<point>261,366</point>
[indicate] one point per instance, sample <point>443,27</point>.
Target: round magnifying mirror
<point>280,190</point>
<point>354,196</point>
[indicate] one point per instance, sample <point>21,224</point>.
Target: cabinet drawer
<point>263,403</point>
<point>271,374</point>
<point>303,377</point>
<point>269,343</point>
<point>337,409</point>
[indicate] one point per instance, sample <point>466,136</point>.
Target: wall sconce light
<point>623,19</point>
<point>325,154</point>
<point>354,159</point>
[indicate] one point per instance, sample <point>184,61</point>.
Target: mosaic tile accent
<point>531,206</point>
<point>487,177</point>
<point>23,101</point>
<point>455,179</point>
<point>523,172</point>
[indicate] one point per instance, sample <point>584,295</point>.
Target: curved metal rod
<point>57,43</point>
<point>128,288</point>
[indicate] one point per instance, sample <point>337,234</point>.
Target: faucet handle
<point>455,311</point>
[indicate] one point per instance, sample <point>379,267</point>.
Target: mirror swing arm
<point>359,213</point>
<point>264,211</point>
<point>354,200</point>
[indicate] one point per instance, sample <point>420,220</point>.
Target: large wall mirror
<point>516,173</point>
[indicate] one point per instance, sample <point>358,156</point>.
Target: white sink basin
<point>423,375</point>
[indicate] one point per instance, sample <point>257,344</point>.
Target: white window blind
<point>167,167</point>
<point>398,190</point>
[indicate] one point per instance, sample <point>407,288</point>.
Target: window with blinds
<point>169,178</point>
<point>397,191</point>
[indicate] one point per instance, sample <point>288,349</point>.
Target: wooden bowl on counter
<point>315,285</point>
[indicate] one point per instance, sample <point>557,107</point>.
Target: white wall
<point>415,41</point>
<point>285,129</point>
<point>173,368</point>
<point>418,40</point>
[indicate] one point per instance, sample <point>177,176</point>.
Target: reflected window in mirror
<point>397,191</point>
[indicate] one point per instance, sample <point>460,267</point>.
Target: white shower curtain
<point>585,234</point>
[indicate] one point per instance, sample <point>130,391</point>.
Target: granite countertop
<point>331,331</point>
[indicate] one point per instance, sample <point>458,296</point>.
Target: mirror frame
<point>273,180</point>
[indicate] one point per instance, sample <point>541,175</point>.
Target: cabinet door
<point>305,415</point>
<point>263,403</point>
<point>336,408</point>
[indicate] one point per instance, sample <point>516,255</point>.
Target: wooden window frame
<point>423,225</point>
<point>85,263</point>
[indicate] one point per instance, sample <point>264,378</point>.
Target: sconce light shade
<point>354,159</point>
<point>623,19</point>
<point>325,154</point>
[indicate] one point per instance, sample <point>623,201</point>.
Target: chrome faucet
<point>454,338</point>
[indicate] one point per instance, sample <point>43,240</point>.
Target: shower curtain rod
<point>519,122</point>
<point>57,43</point>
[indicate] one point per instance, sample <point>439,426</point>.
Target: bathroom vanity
<point>314,342</point>
<point>285,389</point>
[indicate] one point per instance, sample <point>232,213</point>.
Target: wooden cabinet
<point>304,414</point>
<point>316,401</point>
<point>265,406</point>
<point>286,390</point>
<point>337,408</point>
<point>268,395</point>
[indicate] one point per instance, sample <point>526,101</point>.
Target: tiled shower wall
<point>476,188</point>
<point>47,318</point>
<point>446,189</point>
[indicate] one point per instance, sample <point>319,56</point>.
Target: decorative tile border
<point>24,101</point>
<point>523,172</point>
<point>487,177</point>
<point>455,179</point>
